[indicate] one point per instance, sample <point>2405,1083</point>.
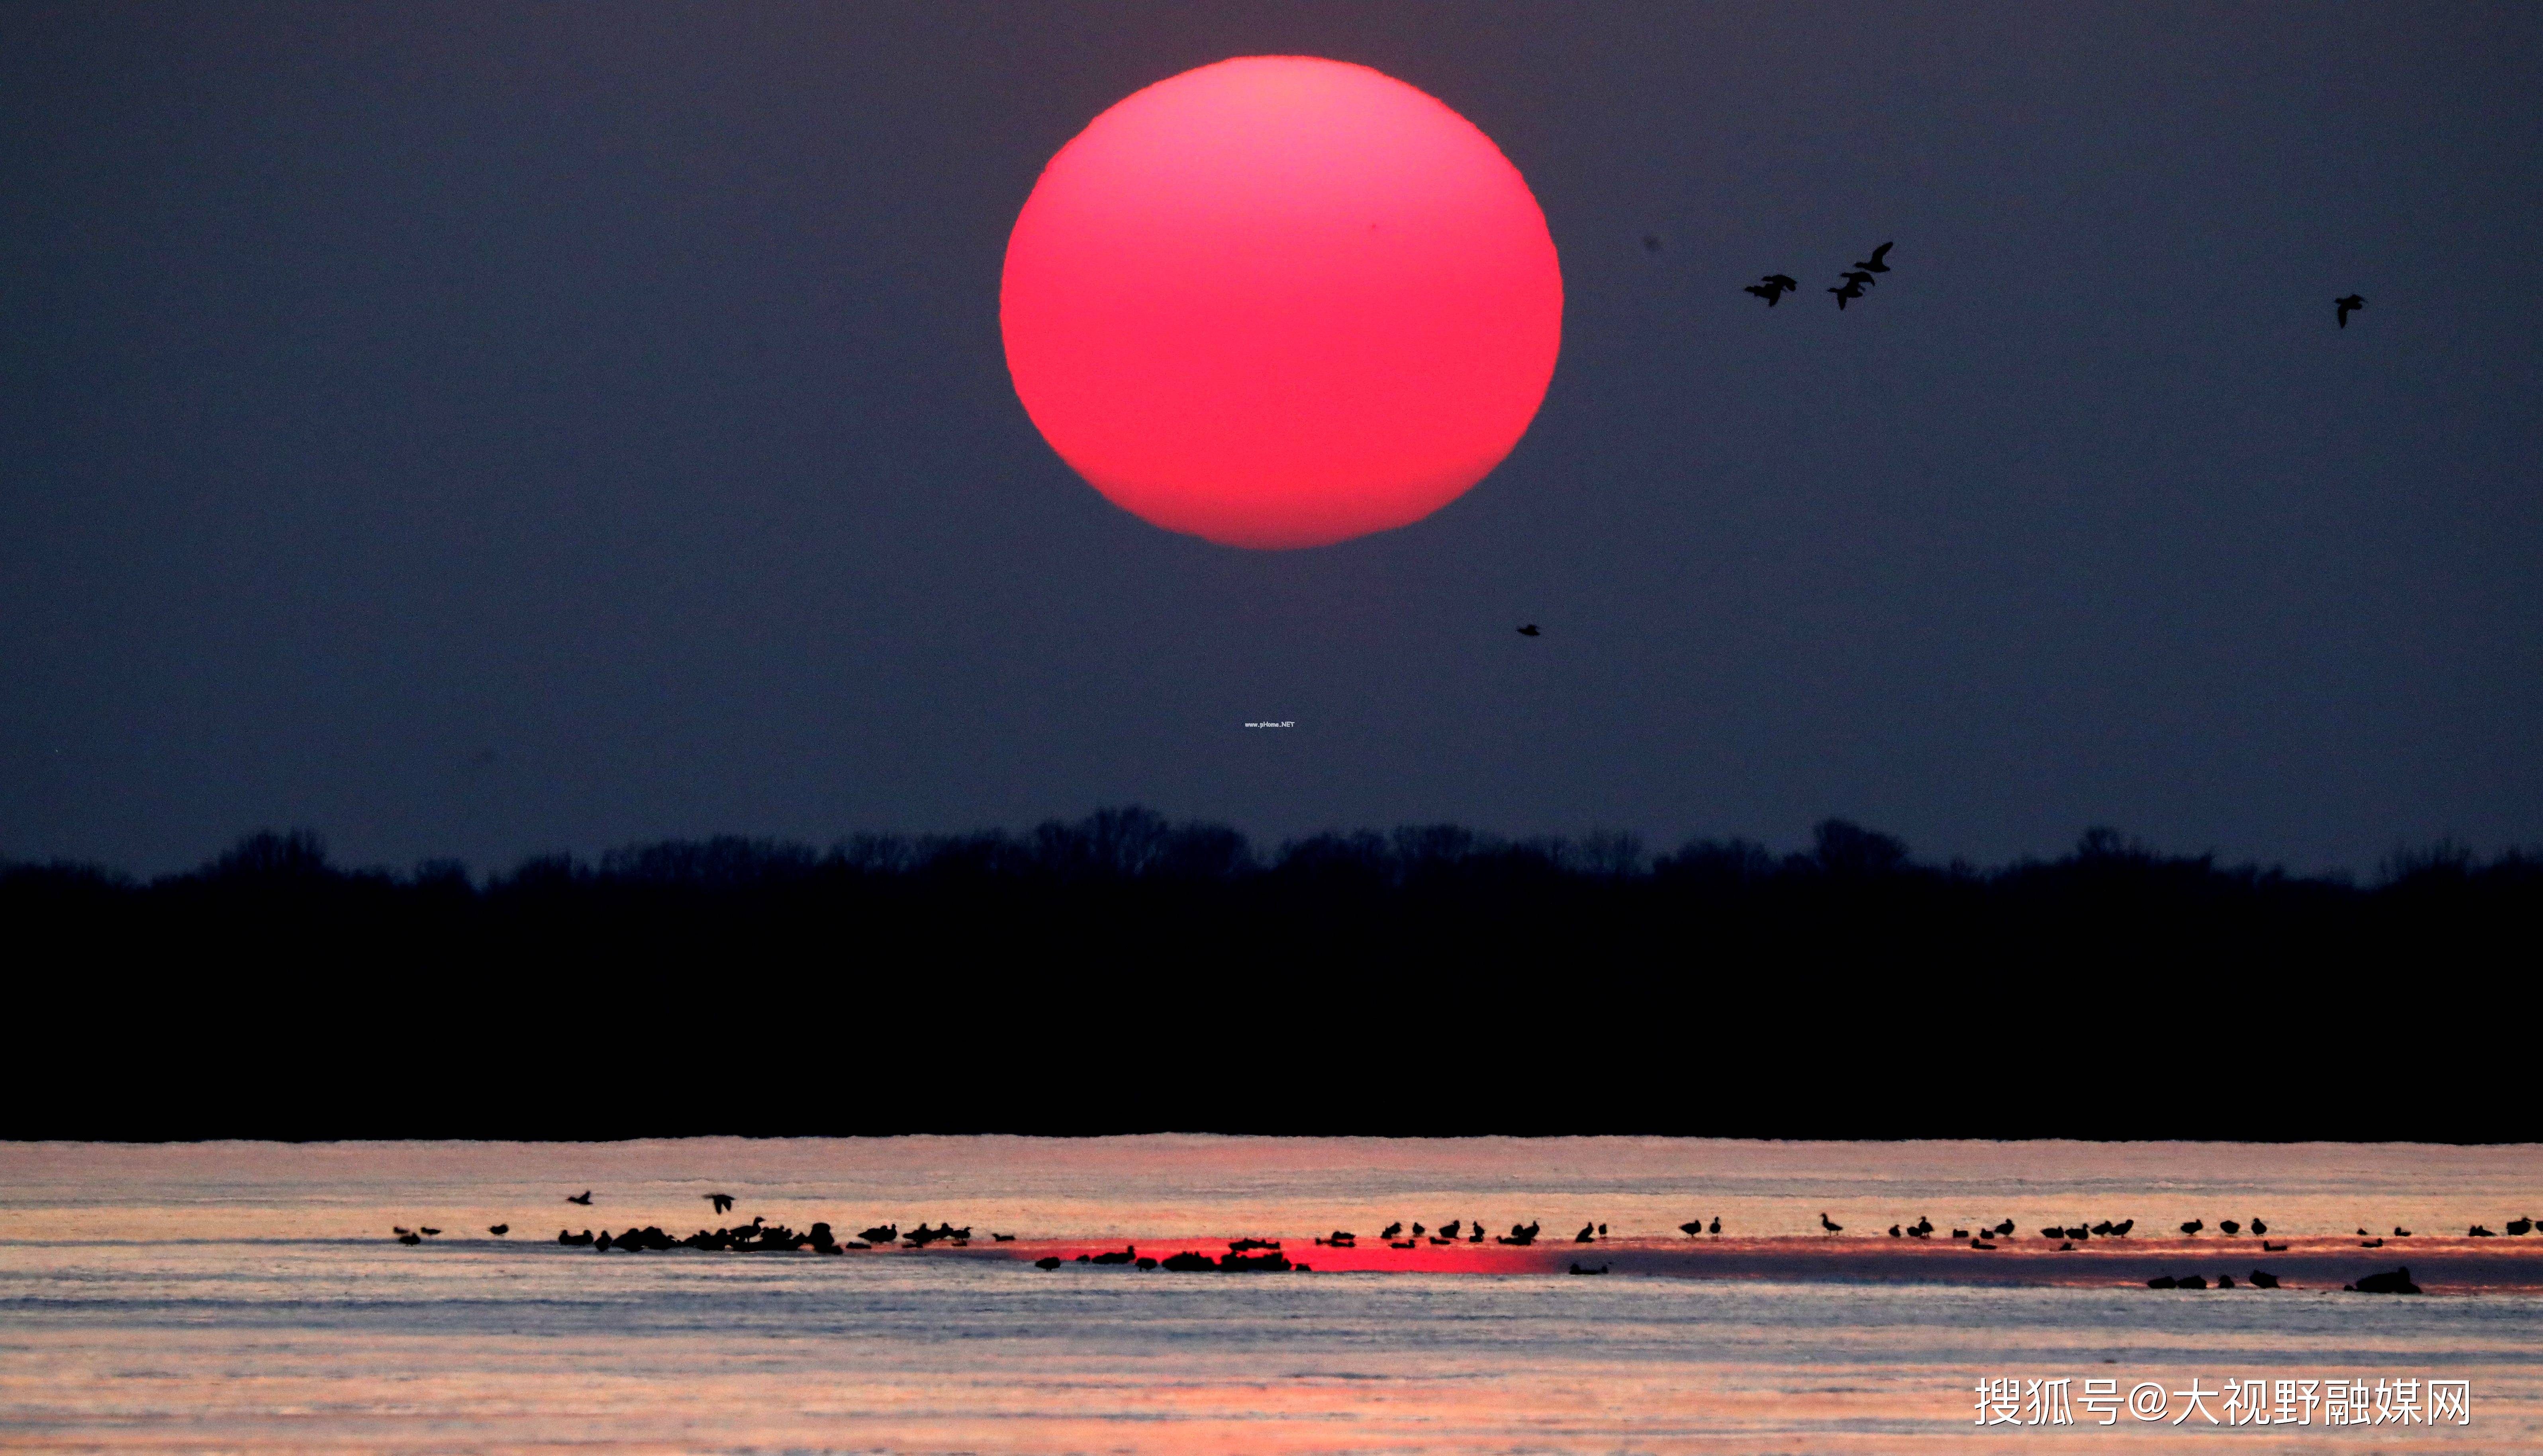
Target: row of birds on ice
<point>1866,273</point>
<point>1522,1234</point>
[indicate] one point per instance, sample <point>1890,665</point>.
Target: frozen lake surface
<point>249,1297</point>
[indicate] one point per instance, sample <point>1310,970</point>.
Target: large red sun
<point>1281,302</point>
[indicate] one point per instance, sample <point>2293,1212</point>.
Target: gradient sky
<point>481,429</point>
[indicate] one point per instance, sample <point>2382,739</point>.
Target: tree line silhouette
<point>1127,973</point>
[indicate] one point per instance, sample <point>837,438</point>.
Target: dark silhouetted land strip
<point>1123,973</point>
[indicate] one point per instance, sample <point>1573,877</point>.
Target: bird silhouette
<point>583,1198</point>
<point>410,1240</point>
<point>1859,277</point>
<point>1392,1230</point>
<point>1589,1231</point>
<point>401,1230</point>
<point>421,1229</point>
<point>2347,306</point>
<point>723,1202</point>
<point>2228,1227</point>
<point>1873,264</point>
<point>500,1230</point>
<point>2193,1226</point>
<point>1773,286</point>
<point>2258,1229</point>
<point>2519,1227</point>
<point>1849,291</point>
<point>1833,1228</point>
<point>2263,1279</point>
<point>1717,1224</point>
<point>1529,630</point>
<point>1691,1229</point>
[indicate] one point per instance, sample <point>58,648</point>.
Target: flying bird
<point>1530,630</point>
<point>1772,287</point>
<point>583,1198</point>
<point>1859,277</point>
<point>1850,290</point>
<point>1873,264</point>
<point>723,1202</point>
<point>2347,306</point>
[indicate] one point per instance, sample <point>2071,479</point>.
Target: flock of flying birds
<point>1850,285</point>
<point>1863,274</point>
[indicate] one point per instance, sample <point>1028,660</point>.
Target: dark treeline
<point>1124,972</point>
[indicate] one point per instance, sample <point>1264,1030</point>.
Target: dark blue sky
<point>482,429</point>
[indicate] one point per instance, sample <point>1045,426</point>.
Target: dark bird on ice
<point>2258,1229</point>
<point>500,1230</point>
<point>1529,630</point>
<point>2274,1247</point>
<point>401,1230</point>
<point>1392,1230</point>
<point>1691,1229</point>
<point>2519,1227</point>
<point>723,1202</point>
<point>2229,1227</point>
<point>583,1198</point>
<point>1589,1232</point>
<point>410,1240</point>
<point>427,1233</point>
<point>2263,1279</point>
<point>1833,1228</point>
<point>2399,1232</point>
<point>1048,1261</point>
<point>1717,1224</point>
<point>1873,264</point>
<point>2347,306</point>
<point>2193,1226</point>
<point>1850,290</point>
